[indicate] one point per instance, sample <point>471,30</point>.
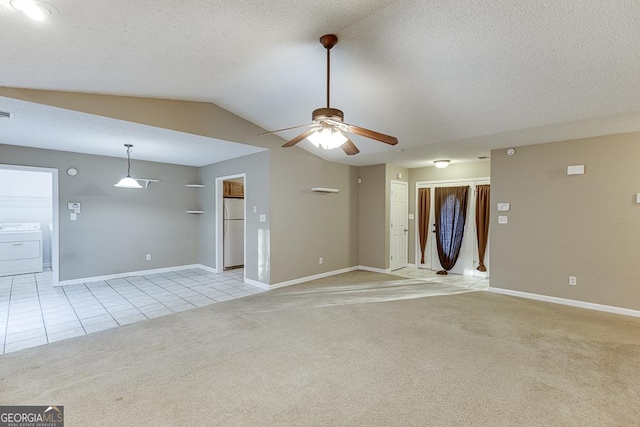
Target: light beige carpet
<point>355,349</point>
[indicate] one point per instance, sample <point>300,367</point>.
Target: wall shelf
<point>195,185</point>
<point>194,212</point>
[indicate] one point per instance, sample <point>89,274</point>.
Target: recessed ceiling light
<point>34,9</point>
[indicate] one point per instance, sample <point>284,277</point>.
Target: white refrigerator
<point>233,236</point>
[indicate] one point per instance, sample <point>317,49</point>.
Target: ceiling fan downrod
<point>329,41</point>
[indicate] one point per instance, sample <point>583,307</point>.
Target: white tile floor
<point>474,282</point>
<point>32,312</point>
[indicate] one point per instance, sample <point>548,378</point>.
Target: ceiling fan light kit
<point>327,130</point>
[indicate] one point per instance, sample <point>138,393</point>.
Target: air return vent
<point>5,115</point>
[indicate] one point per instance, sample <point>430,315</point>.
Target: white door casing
<point>468,259</point>
<point>398,235</point>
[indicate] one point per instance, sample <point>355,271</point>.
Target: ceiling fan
<point>327,128</point>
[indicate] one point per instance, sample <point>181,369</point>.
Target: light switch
<point>74,216</point>
<point>575,170</point>
<point>263,218</point>
<point>638,198</point>
<point>410,216</point>
<point>504,207</point>
<point>502,219</point>
<point>255,209</point>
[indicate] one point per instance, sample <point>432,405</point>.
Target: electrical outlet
<point>321,260</point>
<point>73,216</point>
<point>148,257</point>
<point>573,280</point>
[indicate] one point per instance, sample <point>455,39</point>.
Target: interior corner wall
<point>372,200</point>
<point>257,193</point>
<point>587,226</point>
<point>455,171</point>
<point>307,225</point>
<point>117,226</point>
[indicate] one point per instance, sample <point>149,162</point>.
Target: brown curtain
<point>424,206</point>
<point>451,213</point>
<point>483,207</point>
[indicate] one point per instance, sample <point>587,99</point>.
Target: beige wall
<point>372,203</point>
<point>295,217</point>
<point>586,226</point>
<point>455,171</point>
<point>306,225</point>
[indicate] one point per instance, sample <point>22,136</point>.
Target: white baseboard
<point>569,302</point>
<point>127,274</point>
<point>207,268</point>
<point>411,265</point>
<point>314,277</point>
<point>374,269</point>
<point>256,284</point>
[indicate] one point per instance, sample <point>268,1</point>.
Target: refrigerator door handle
<point>225,221</point>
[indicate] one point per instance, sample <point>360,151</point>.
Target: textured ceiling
<point>41,126</point>
<point>449,79</point>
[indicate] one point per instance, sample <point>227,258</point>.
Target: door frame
<point>55,235</point>
<point>406,219</point>
<point>219,198</point>
<point>473,182</point>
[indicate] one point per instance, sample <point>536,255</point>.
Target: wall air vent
<point>5,115</point>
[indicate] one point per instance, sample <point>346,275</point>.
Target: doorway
<point>468,259</point>
<point>398,209</point>
<point>230,222</point>
<point>29,219</point>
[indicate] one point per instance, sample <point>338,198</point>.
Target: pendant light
<point>127,181</point>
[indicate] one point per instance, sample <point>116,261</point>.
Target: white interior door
<point>399,228</point>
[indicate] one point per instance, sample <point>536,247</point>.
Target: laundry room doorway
<point>29,232</point>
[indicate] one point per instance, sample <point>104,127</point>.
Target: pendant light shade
<point>127,181</point>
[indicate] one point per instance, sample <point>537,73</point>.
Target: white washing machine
<point>20,248</point>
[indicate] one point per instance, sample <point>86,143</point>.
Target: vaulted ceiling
<point>450,79</point>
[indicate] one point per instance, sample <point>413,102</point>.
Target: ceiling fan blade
<point>281,130</point>
<point>299,138</point>
<point>387,139</point>
<point>350,148</point>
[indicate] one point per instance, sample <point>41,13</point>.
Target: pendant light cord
<point>128,162</point>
